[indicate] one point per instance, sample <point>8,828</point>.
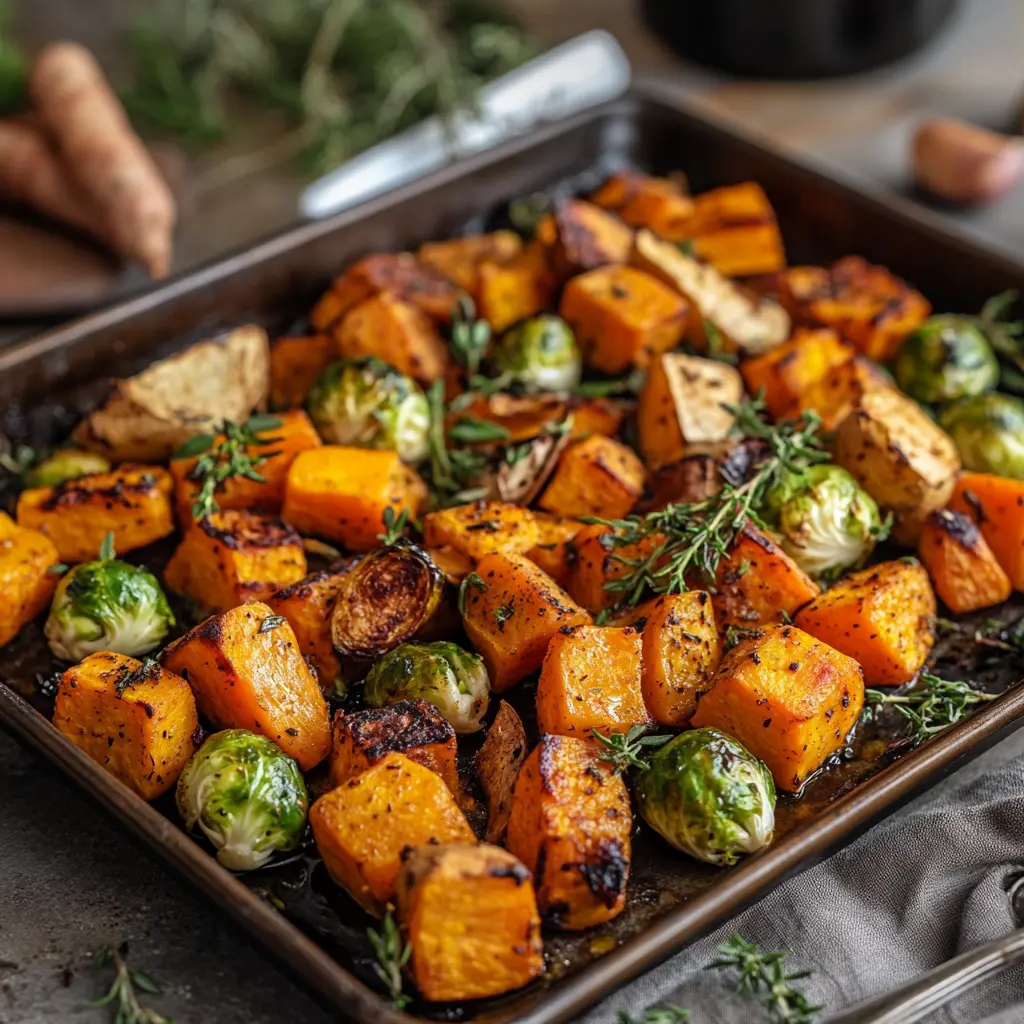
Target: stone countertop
<point>70,881</point>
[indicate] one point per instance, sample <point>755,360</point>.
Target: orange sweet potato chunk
<point>587,237</point>
<point>295,362</point>
<point>512,290</point>
<point>247,672</point>
<point>459,259</point>
<point>598,476</point>
<point>26,585</point>
<point>571,826</point>
<point>362,826</point>
<point>789,698</point>
<point>734,229</point>
<point>996,504</point>
<point>482,527</point>
<point>553,550</point>
<point>841,390</point>
<point>137,721</point>
<point>659,204</point>
<point>882,616</point>
<point>595,563</point>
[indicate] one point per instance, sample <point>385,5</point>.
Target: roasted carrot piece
<point>995,503</point>
<point>482,527</point>
<point>295,362</point>
<point>598,476</point>
<point>552,552</point>
<point>459,259</point>
<point>26,583</point>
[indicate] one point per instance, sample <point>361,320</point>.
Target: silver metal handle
<point>919,998</point>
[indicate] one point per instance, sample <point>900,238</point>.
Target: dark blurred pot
<point>796,38</point>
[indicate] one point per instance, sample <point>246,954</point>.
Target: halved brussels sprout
<point>540,354</point>
<point>946,358</point>
<point>65,464</point>
<point>247,796</point>
<point>385,599</point>
<point>708,796</point>
<point>825,522</point>
<point>989,431</point>
<point>451,679</point>
<point>368,404</point>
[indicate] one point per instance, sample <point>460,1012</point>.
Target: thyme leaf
<point>122,992</point>
<point>392,955</point>
<point>623,750</point>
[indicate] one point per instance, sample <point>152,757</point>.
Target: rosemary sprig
<point>394,526</point>
<point>392,955</point>
<point>668,1014</point>
<point>624,749</point>
<point>122,992</point>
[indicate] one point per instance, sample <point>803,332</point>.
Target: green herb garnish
<point>623,750</point>
<point>392,955</point>
<point>122,992</point>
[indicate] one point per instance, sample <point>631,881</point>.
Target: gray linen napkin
<point>919,888</point>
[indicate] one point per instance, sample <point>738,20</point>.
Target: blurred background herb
<point>13,65</point>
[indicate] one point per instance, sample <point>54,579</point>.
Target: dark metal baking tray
<point>292,911</point>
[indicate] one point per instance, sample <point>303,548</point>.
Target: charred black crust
<point>554,916</point>
<point>517,872</point>
<point>958,527</point>
<point>304,588</point>
<point>377,732</point>
<point>606,877</point>
<point>79,492</point>
<point>246,530</point>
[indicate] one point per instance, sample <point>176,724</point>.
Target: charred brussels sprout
<point>451,679</point>
<point>946,358</point>
<point>368,404</point>
<point>824,521</point>
<point>540,354</point>
<point>246,795</point>
<point>989,431</point>
<point>708,796</point>
<point>65,464</point>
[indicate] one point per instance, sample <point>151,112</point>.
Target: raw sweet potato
<point>882,616</point>
<point>132,502</point>
<point>510,291</point>
<point>295,362</point>
<point>590,679</point>
<point>362,826</point>
<point>964,572</point>
<point>995,504</point>
<point>482,527</point>
<point>595,477</point>
<point>341,493</point>
<point>26,583</point>
<point>469,914</point>
<point>513,615</point>
<point>656,203</point>
<point>498,763</point>
<point>587,237</point>
<point>789,698</point>
<point>459,259</point>
<point>135,719</point>
<point>552,552</point>
<point>247,672</point>
<point>571,826</point>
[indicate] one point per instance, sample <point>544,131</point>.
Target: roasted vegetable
<point>708,796</point>
<point>362,826</point>
<point>386,598</point>
<point>789,698</point>
<point>498,763</point>
<point>587,237</point>
<point>571,826</point>
<point>511,291</point>
<point>248,798</point>
<point>595,477</point>
<point>946,358</point>
<point>482,527</point>
<point>988,430</point>
<point>133,718</point>
<point>594,564</point>
<point>539,355</point>
<point>246,672</point>
<point>459,259</point>
<point>451,679</point>
<point>295,362</point>
<point>365,403</point>
<point>842,388</point>
<point>656,203</point>
<point>552,552</point>
<point>994,503</point>
<point>63,465</point>
<point>26,582</point>
<point>882,616</point>
<point>470,916</point>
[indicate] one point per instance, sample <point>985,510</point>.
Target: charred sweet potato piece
<point>842,390</point>
<point>587,237</point>
<point>295,362</point>
<point>623,317</point>
<point>26,583</point>
<point>413,728</point>
<point>656,203</point>
<point>590,679</point>
<point>132,502</point>
<point>247,672</point>
<point>571,826</point>
<point>481,527</point>
<point>135,719</point>
<point>341,493</point>
<point>596,416</point>
<point>789,698</point>
<point>735,230</point>
<point>595,477</point>
<point>498,763</point>
<point>882,616</point>
<point>552,552</point>
<point>228,558</point>
<point>996,504</point>
<point>513,615</point>
<point>362,826</point>
<point>512,290</point>
<point>964,572</point>
<point>459,259</point>
<point>595,563</point>
<point>469,914</point>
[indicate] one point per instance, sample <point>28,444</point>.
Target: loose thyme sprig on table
<point>668,1014</point>
<point>392,955</point>
<point>122,992</point>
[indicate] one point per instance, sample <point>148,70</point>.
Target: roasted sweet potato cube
<point>469,913</point>
<point>595,477</point>
<point>132,502</point>
<point>964,572</point>
<point>882,616</point>
<point>571,826</point>
<point>396,332</point>
<point>595,562</point>
<point>553,550</point>
<point>295,362</point>
<point>995,504</point>
<point>656,203</point>
<point>341,493</point>
<point>735,230</point>
<point>511,618</point>
<point>414,728</point>
<point>623,317</point>
<point>228,558</point>
<point>455,565</point>
<point>362,826</point>
<point>247,672</point>
<point>26,583</point>
<point>789,698</point>
<point>590,679</point>
<point>459,259</point>
<point>137,720</point>
<point>510,291</point>
<point>482,527</point>
<point>587,237</point>
<point>842,390</point>
<point>596,416</point>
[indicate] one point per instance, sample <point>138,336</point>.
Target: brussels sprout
<point>708,796</point>
<point>451,679</point>
<point>368,404</point>
<point>107,605</point>
<point>989,431</point>
<point>541,354</point>
<point>824,521</point>
<point>247,796</point>
<point>65,464</point>
<point>946,358</point>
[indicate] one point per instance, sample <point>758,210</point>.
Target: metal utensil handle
<point>925,994</point>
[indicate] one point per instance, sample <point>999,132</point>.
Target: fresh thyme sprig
<point>472,580</point>
<point>668,1014</point>
<point>624,386</point>
<point>392,955</point>
<point>394,526</point>
<point>624,749</point>
<point>122,992</point>
<point>470,336</point>
<point>454,472</point>
<point>1001,642</point>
